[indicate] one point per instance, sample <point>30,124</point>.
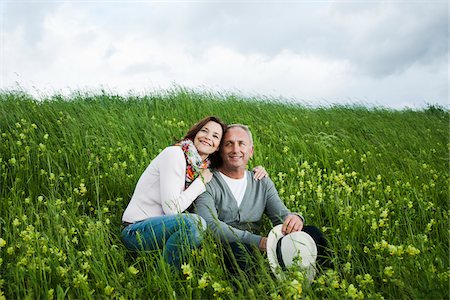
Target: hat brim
<point>274,235</point>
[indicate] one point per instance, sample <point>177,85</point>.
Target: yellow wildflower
<point>79,279</point>
<point>218,288</point>
<point>429,225</point>
<point>389,271</point>
<point>347,267</point>
<point>50,293</point>
<point>133,270</point>
<point>412,250</point>
<point>187,270</point>
<point>335,284</point>
<point>82,189</point>
<point>16,222</point>
<point>109,290</point>
<point>353,292</point>
<point>295,289</point>
<point>203,282</point>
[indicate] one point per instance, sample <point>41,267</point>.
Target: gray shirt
<point>239,224</point>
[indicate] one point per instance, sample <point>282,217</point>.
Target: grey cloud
<point>246,27</point>
<point>379,39</point>
<point>110,51</point>
<point>29,17</point>
<point>394,36</point>
<point>253,27</point>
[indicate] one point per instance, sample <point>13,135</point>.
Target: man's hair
<point>243,127</point>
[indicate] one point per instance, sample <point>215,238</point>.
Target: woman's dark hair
<point>215,158</point>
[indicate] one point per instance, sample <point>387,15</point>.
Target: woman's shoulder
<point>172,152</point>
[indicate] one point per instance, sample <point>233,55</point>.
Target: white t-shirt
<point>237,186</point>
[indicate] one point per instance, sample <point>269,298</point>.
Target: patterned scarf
<point>194,162</point>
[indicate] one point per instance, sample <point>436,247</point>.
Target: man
<point>234,203</point>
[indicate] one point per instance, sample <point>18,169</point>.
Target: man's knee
<point>316,234</point>
<point>323,252</point>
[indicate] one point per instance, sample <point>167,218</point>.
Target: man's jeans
<point>174,234</point>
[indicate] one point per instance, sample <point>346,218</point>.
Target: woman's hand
<point>260,173</point>
<point>207,175</point>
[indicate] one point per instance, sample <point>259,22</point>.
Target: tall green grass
<point>375,180</point>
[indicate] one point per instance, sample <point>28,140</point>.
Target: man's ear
<point>251,152</point>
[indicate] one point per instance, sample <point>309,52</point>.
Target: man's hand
<point>259,172</point>
<point>292,223</point>
<point>263,244</point>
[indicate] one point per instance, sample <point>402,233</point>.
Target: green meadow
<point>375,180</point>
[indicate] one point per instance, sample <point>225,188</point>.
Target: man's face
<point>237,148</point>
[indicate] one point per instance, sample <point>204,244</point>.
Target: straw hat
<point>297,248</point>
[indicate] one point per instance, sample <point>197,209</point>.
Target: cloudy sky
<point>384,53</point>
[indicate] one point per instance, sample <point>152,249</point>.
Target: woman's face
<point>207,140</point>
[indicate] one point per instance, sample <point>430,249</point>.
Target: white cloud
<point>392,54</point>
<point>389,37</point>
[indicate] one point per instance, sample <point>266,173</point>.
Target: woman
<point>154,218</point>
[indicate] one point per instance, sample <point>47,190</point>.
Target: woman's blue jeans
<point>174,234</point>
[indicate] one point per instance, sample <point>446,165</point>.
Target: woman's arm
<point>174,198</point>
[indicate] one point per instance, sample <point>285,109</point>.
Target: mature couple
<point>230,200</point>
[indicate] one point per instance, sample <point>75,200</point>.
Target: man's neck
<point>232,173</point>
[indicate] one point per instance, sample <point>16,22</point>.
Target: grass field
<point>375,180</point>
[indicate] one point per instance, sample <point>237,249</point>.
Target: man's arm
<point>204,206</point>
<point>278,212</point>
